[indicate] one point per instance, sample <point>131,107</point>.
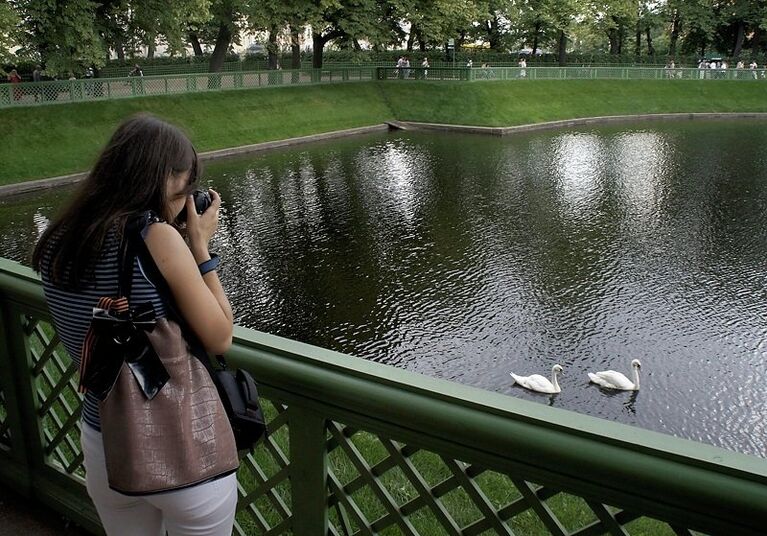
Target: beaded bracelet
<point>209,265</point>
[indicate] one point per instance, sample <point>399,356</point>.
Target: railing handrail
<point>352,67</point>
<point>668,477</point>
<point>127,78</point>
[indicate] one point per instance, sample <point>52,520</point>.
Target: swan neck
<point>636,378</point>
<point>554,380</point>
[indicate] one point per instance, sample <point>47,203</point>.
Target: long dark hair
<point>130,176</point>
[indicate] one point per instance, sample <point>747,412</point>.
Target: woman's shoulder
<point>162,232</point>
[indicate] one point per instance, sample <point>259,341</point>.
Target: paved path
<point>19,517</point>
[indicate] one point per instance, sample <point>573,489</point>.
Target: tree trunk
<point>674,34</point>
<point>410,39</point>
<point>461,39</point>
<point>150,50</point>
<point>195,41</point>
<point>421,41</point>
<point>614,37</point>
<point>223,39</point>
<point>494,33</point>
<point>295,48</point>
<point>648,38</point>
<point>119,50</point>
<point>318,43</point>
<point>739,38</point>
<point>536,31</point>
<point>562,48</point>
<point>621,37</point>
<point>759,41</point>
<point>638,41</point>
<point>272,48</point>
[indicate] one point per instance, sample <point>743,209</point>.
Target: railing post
<point>26,442</point>
<point>308,473</point>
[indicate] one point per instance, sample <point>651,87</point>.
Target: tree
<point>433,22</point>
<point>735,20</point>
<point>9,22</point>
<point>70,35</point>
<point>559,16</point>
<point>63,34</point>
<point>495,21</point>
<point>348,20</point>
<point>695,26</point>
<point>613,17</point>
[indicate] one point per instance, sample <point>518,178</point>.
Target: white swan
<point>538,383</point>
<point>615,380</point>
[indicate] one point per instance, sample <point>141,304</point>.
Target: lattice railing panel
<point>380,486</point>
<point>5,427</point>
<point>265,496</point>
<point>55,380</point>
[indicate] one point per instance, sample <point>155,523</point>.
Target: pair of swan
<point>607,378</point>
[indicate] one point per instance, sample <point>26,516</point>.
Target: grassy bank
<point>56,140</point>
<point>60,139</point>
<point>528,101</point>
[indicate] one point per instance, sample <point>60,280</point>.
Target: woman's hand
<point>200,228</point>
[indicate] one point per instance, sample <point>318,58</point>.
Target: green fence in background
<point>360,448</point>
<point>613,73</point>
<point>261,64</point>
<point>66,91</point>
<point>90,89</point>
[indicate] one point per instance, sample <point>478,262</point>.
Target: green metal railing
<point>477,73</point>
<point>362,448</point>
<point>613,73</point>
<point>66,91</point>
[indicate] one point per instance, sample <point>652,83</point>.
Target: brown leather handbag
<point>179,438</point>
<point>163,424</point>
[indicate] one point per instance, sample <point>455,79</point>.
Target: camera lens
<point>202,201</point>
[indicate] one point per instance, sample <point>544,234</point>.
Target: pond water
<point>467,257</point>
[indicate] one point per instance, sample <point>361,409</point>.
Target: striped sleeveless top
<point>72,310</point>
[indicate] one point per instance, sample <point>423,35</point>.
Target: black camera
<point>202,201</point>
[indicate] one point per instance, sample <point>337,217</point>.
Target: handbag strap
<point>135,231</point>
<point>126,259</point>
<point>119,304</point>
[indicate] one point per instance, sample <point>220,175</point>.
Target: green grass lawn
<point>534,101</point>
<point>60,139</point>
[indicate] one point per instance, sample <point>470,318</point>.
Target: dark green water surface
<point>467,257</point>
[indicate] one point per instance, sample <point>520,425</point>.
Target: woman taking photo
<point>148,165</point>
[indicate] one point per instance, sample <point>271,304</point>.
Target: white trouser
<point>202,510</point>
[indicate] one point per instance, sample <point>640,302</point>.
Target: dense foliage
<point>70,36</point>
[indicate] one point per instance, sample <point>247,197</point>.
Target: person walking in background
<point>469,64</point>
<point>425,67</point>
<point>406,67</point>
<point>89,76</point>
<point>522,67</point>
<point>148,169</point>
<point>137,85</point>
<point>37,76</point>
<point>14,78</point>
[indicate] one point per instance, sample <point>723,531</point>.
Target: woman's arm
<point>201,299</point>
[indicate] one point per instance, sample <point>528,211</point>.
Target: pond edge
<point>64,180</point>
